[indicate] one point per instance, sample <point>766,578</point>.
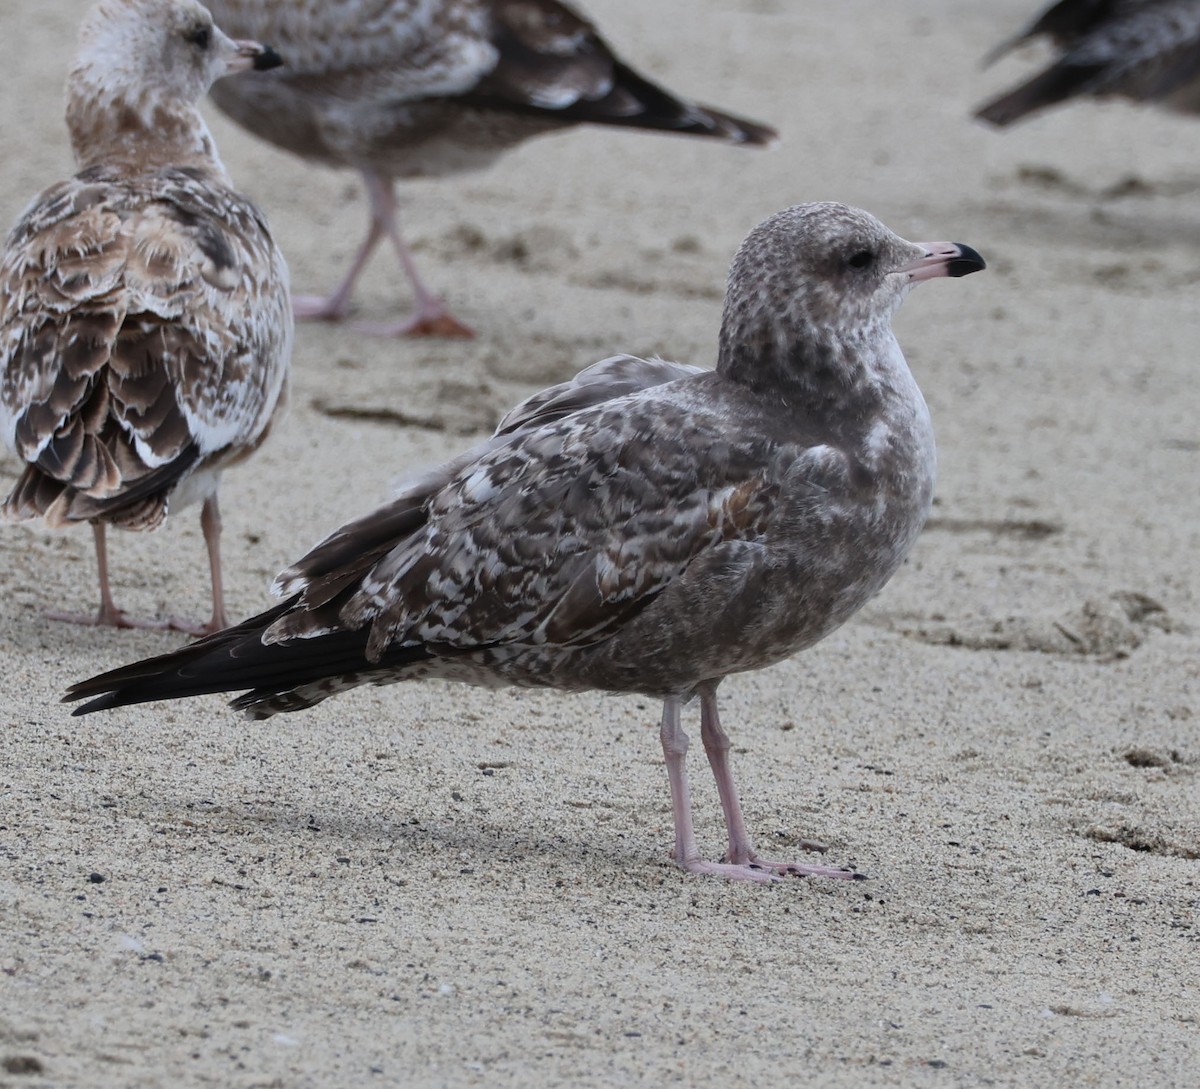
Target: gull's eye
<point>199,36</point>
<point>861,259</point>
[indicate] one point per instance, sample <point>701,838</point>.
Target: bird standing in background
<point>1144,50</point>
<point>145,321</point>
<point>420,88</point>
<point>645,528</point>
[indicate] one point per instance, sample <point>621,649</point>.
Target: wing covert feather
<point>560,535</point>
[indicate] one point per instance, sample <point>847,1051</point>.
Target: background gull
<point>145,324</point>
<point>1145,50</point>
<point>646,528</point>
<point>401,88</point>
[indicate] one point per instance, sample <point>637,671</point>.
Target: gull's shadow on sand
<point>452,842</point>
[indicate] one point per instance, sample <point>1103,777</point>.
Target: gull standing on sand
<point>1145,50</point>
<point>645,528</point>
<point>421,88</point>
<point>145,322</point>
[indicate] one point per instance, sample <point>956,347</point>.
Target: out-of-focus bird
<point>1144,50</point>
<point>145,323</point>
<point>417,88</point>
<point>645,528</point>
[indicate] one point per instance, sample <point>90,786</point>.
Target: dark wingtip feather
<point>631,101</point>
<point>659,109</point>
<point>1042,91</point>
<point>738,130</point>
<point>273,676</point>
<point>1003,111</point>
<point>100,703</point>
<point>209,665</point>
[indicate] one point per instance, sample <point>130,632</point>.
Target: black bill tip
<point>967,261</point>
<point>267,59</point>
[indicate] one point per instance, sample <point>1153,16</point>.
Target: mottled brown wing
<point>562,534</point>
<point>533,52</point>
<point>143,330</point>
<point>385,51</point>
<point>228,297</point>
<point>350,552</point>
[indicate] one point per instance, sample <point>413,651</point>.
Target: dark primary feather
<point>236,659</point>
<point>1042,91</point>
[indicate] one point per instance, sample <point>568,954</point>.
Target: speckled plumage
<point>1144,50</point>
<point>408,88</point>
<point>145,324</point>
<point>647,527</point>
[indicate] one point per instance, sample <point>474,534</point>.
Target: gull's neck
<point>814,368</point>
<point>135,130</point>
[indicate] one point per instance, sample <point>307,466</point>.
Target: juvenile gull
<point>419,88</point>
<point>1144,50</point>
<point>645,528</point>
<point>145,324</point>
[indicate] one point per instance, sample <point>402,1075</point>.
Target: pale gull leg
<point>686,853</point>
<point>108,615</point>
<point>210,523</point>
<point>741,850</point>
<point>431,319</point>
<point>336,306</point>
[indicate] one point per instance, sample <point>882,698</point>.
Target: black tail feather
<point>660,110</point>
<point>237,660</point>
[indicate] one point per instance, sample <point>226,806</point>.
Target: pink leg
<point>741,850</point>
<point>431,317</point>
<point>210,523</point>
<point>336,306</point>
<point>108,615</point>
<point>686,853</point>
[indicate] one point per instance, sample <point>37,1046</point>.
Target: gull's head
<point>145,64</point>
<point>823,278</point>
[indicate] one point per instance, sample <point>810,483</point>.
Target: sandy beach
<point>427,885</point>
